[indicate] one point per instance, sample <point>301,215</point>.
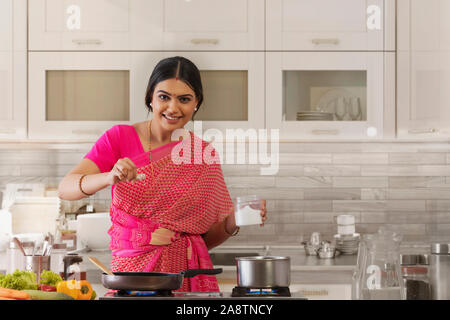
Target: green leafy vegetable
<point>50,278</point>
<point>19,280</point>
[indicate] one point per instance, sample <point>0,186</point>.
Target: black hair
<point>175,67</point>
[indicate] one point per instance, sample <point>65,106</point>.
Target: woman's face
<point>173,103</point>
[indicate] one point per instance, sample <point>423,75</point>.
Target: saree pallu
<point>157,223</point>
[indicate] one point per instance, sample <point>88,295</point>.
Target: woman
<point>167,221</point>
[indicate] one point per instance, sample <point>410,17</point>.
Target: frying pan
<point>150,281</point>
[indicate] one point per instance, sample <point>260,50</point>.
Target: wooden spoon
<point>19,244</point>
<point>100,265</point>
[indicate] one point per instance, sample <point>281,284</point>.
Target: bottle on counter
<point>440,271</point>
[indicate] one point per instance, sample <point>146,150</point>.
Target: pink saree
<point>157,223</point>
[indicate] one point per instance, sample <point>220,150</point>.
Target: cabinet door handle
<point>205,41</point>
<point>7,131</point>
<point>334,41</point>
<point>423,131</point>
<point>325,132</point>
<point>92,132</point>
<point>87,41</point>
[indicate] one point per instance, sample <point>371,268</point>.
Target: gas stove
<point>240,293</point>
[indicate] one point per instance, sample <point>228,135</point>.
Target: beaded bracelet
<point>79,185</point>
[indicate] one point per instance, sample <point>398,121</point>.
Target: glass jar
<point>248,210</point>
<point>415,276</point>
<point>380,273</point>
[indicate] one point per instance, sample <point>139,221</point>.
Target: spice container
<point>415,276</point>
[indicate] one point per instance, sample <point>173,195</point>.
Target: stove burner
<point>156,293</point>
<point>261,292</point>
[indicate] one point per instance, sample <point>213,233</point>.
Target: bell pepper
<point>79,290</point>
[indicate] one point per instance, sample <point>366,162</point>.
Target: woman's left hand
<point>263,213</point>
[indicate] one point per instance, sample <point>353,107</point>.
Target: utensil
<point>19,245</point>
<point>48,251</point>
<point>263,271</point>
<point>151,281</point>
<point>44,246</point>
<point>100,265</point>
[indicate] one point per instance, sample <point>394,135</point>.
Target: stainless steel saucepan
<point>263,271</point>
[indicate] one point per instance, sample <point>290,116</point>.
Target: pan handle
<point>190,273</point>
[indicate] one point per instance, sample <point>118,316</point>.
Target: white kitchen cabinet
<point>213,25</point>
<point>347,87</point>
<point>83,25</point>
<point>13,69</point>
<point>79,95</point>
<point>423,69</point>
<point>329,25</point>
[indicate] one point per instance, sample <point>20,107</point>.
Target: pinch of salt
<point>140,177</point>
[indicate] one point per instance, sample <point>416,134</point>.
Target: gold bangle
<point>235,232</point>
<point>79,185</point>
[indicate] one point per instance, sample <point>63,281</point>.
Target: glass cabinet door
<point>325,95</point>
<point>233,89</point>
<point>79,95</point>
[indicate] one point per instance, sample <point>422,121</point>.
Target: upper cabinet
<point>79,95</point>
<point>331,95</point>
<point>79,25</point>
<point>423,68</point>
<point>13,69</point>
<point>83,25</point>
<point>329,25</point>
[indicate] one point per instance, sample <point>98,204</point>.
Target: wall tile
<point>419,193</point>
<point>332,171</point>
<point>417,158</point>
<point>332,194</point>
<point>360,182</point>
<point>374,194</point>
<point>303,182</point>
<point>418,182</point>
<point>305,158</point>
<point>360,158</point>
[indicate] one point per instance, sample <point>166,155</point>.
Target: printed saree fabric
<point>157,222</point>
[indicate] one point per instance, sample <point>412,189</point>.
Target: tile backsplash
<point>402,184</point>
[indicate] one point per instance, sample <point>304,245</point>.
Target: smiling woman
<point>167,221</point>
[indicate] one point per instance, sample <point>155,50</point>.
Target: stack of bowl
<point>347,244</point>
<point>347,241</point>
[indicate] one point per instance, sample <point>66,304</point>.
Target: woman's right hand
<point>123,170</point>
